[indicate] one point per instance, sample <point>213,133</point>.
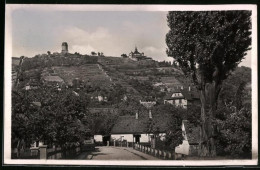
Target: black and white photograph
<point>144,85</point>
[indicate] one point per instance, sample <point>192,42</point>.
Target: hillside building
<point>137,56</point>
<point>64,48</point>
<point>182,98</point>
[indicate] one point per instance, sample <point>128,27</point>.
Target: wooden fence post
<point>152,149</point>
<point>164,154</point>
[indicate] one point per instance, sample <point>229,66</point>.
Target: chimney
<point>150,114</point>
<point>136,115</point>
<point>189,88</point>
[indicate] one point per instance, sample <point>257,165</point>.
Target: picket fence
<point>155,152</point>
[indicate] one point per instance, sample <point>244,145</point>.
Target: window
<point>179,100</point>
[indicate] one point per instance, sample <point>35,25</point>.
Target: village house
<point>143,129</point>
<point>182,98</point>
<point>137,129</point>
<point>97,96</point>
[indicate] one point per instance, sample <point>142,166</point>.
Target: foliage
<point>100,123</point>
<point>234,117</point>
<point>164,64</point>
<point>52,122</point>
<point>145,88</point>
<point>124,55</point>
<point>208,46</point>
<point>231,84</point>
<point>210,39</point>
<point>173,135</point>
<point>42,61</point>
<point>235,132</point>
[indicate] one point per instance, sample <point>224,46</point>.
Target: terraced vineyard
<point>171,82</point>
<point>89,73</point>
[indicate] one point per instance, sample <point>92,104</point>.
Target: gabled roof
<point>169,97</point>
<point>192,132</point>
<point>131,125</point>
<point>189,95</point>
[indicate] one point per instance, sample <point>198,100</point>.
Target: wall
<point>183,148</point>
<point>183,103</point>
<point>129,137</point>
<point>98,138</point>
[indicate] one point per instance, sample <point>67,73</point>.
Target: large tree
<point>208,46</point>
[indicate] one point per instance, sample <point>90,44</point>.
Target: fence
<point>26,153</point>
<point>58,153</point>
<point>42,152</point>
<point>124,143</point>
<point>155,152</point>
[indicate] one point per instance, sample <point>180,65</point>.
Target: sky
<point>111,32</point>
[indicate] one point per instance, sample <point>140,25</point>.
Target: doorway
<point>137,138</point>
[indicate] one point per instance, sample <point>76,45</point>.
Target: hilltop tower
<point>64,48</point>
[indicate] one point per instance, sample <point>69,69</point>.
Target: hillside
<point>101,74</point>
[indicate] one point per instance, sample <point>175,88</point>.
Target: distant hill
<point>101,72</point>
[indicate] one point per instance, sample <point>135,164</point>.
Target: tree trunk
<point>208,97</point>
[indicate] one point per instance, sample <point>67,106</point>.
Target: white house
<point>182,98</point>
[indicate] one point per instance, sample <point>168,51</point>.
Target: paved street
<point>115,153</point>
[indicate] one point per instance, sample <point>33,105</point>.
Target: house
<point>190,142</point>
<point>182,98</point>
<point>32,84</point>
<point>97,96</point>
<point>138,129</point>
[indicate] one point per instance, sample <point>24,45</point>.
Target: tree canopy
<point>208,46</point>
<point>202,42</point>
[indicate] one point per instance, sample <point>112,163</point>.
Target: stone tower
<point>64,48</point>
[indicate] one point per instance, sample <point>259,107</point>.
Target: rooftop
<point>189,95</point>
<point>131,125</point>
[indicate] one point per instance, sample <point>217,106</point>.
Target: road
<point>115,153</point>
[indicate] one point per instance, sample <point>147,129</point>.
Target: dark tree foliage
<point>173,136</point>
<point>58,119</point>
<point>235,137</point>
<point>231,85</point>
<point>208,46</point>
<point>234,115</point>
